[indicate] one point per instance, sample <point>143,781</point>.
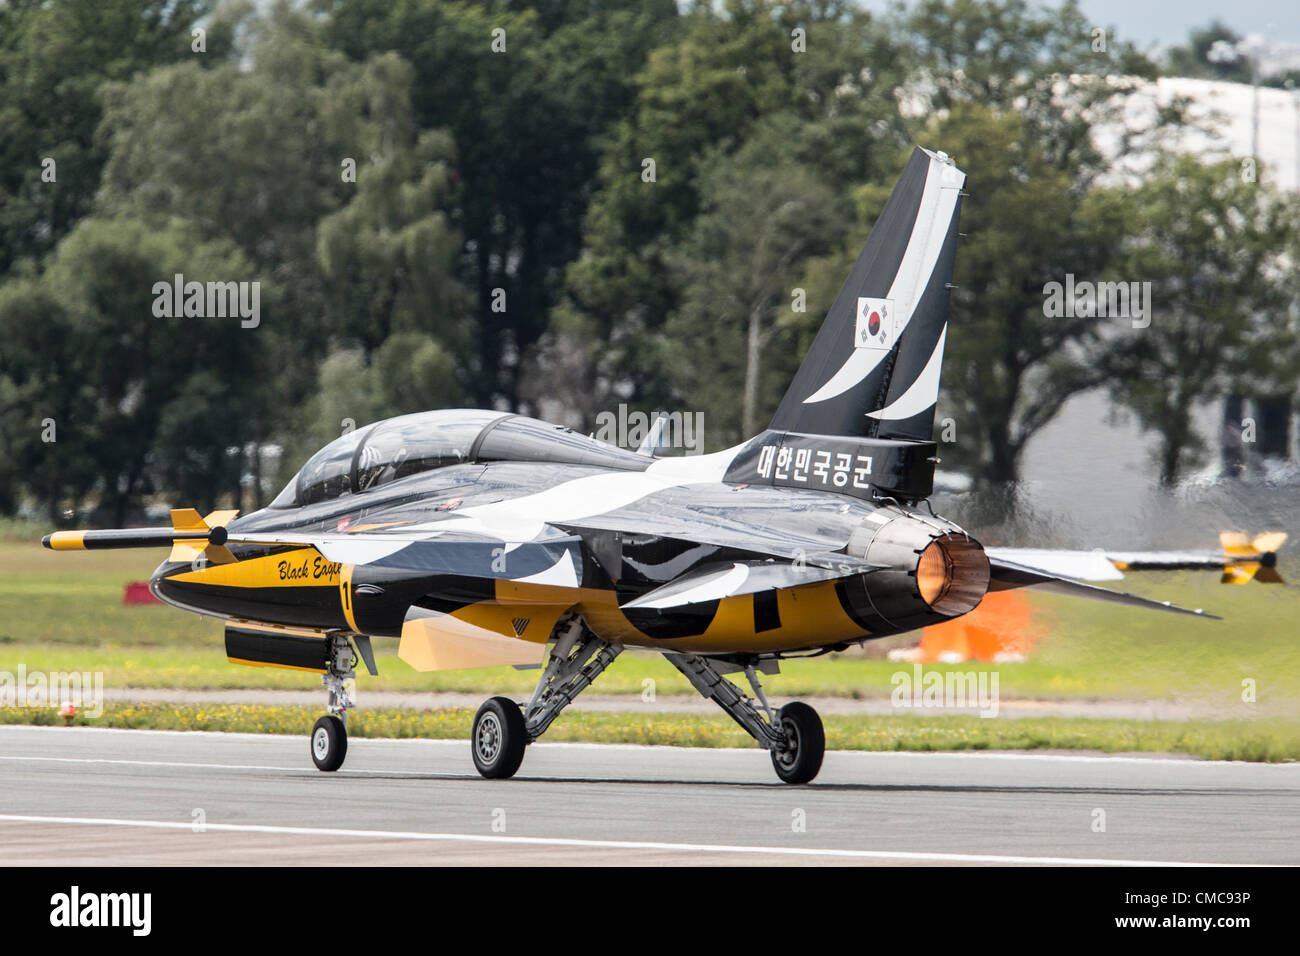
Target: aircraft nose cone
<point>162,586</point>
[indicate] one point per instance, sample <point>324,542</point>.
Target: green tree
<point>54,57</point>
<point>47,400</point>
<point>1203,55</point>
<point>197,448</point>
<point>1009,367</point>
<point>1013,92</point>
<point>762,217</point>
<point>826,72</point>
<point>316,168</point>
<point>1209,243</point>
<point>527,108</point>
<point>389,256</point>
<point>1061,72</point>
<point>255,154</point>
<point>121,372</point>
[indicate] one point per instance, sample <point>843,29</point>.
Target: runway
<point>90,796</point>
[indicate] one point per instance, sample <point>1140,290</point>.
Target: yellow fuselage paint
<point>283,667</point>
<point>304,567</point>
<point>345,596</point>
<point>811,616</point>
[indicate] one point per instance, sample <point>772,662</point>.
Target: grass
<point>1213,740</point>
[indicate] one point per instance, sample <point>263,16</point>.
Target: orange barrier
<point>999,629</point>
<point>137,592</point>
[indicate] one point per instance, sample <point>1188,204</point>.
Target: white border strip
<point>1164,759</point>
<point>601,844</point>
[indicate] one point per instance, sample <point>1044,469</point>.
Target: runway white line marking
<point>602,844</point>
<point>1168,760</point>
<point>203,766</point>
<point>385,771</point>
<point>1165,760</point>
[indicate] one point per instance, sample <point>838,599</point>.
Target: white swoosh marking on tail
<point>922,393</point>
<point>938,200</point>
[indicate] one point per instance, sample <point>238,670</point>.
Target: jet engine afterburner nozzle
<point>949,568</point>
<point>952,574</point>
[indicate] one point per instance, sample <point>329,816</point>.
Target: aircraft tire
<point>329,743</point>
<point>498,738</point>
<point>803,727</point>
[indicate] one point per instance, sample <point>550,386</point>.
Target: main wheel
<point>801,760</point>
<point>329,743</point>
<point>498,738</point>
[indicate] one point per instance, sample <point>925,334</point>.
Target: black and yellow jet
<point>479,539</point>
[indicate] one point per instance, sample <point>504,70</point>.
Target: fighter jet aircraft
<point>478,538</point>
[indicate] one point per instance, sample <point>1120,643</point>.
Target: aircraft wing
<point>555,561</point>
<point>807,530</point>
<point>732,578</point>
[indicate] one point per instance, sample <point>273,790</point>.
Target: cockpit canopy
<point>397,448</point>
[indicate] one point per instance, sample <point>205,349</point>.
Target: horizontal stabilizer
<point>1251,558</point>
<point>1006,575</point>
<point>716,581</point>
<point>1241,559</point>
<point>1080,565</point>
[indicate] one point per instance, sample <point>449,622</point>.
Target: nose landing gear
<point>329,738</point>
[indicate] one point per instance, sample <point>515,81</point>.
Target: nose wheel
<point>329,743</point>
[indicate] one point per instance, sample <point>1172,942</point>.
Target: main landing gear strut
<point>793,734</point>
<point>502,729</point>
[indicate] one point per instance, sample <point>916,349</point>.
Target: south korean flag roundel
<point>875,325</point>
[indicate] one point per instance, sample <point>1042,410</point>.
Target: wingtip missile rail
<point>129,538</point>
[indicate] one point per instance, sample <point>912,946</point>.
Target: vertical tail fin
<point>873,370</point>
